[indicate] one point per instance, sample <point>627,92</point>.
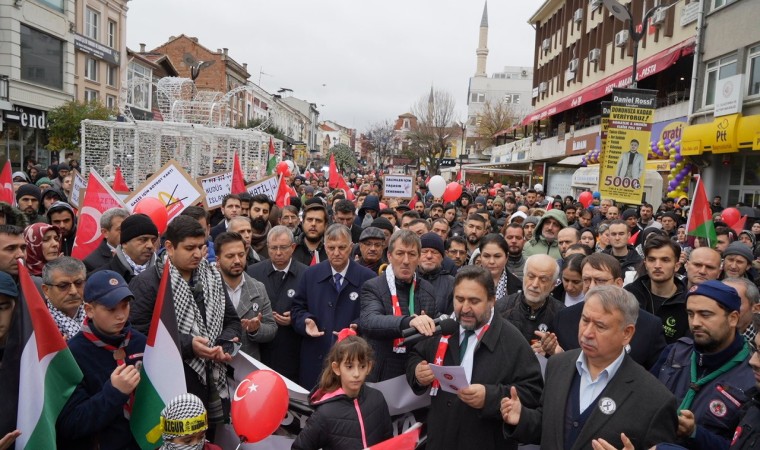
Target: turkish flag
<point>238,179</point>
<point>336,180</point>
<point>283,193</point>
<point>634,238</point>
<point>98,198</point>
<point>119,184</point>
<point>404,441</point>
<point>6,185</point>
<point>739,225</point>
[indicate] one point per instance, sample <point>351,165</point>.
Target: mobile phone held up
<point>229,347</point>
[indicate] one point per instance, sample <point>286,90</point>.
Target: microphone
<point>447,326</point>
<point>412,331</point>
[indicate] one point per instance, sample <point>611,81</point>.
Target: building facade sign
<point>96,49</point>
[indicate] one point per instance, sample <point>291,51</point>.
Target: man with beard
<point>533,309</point>
<point>515,237</point>
<point>310,249</point>
<point>242,226</point>
<point>371,248</point>
<point>231,207</point>
<point>620,248</point>
<point>456,249</point>
<point>431,269</point>
<point>571,213</point>
<point>393,302</point>
<point>261,205</point>
<point>585,218</point>
<point>248,296</point>
<point>436,211</point>
<point>495,357</point>
<point>544,239</point>
<point>659,291</point>
<point>474,230</point>
<point>61,214</point>
<point>709,375</point>
<point>737,261</point>
<point>646,215</point>
<point>136,251</point>
<point>531,199</point>
<point>63,172</point>
<point>289,218</point>
<point>28,197</point>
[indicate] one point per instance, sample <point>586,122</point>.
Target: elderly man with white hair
<point>533,308</point>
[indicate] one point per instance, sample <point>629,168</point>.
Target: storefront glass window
<point>754,71</point>
<point>16,141</point>
<point>751,171</point>
<point>736,170</point>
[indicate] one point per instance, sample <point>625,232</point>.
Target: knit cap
<point>137,225</point>
<point>432,240</point>
<point>28,189</point>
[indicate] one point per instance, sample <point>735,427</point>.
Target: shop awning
<point>650,66</point>
<point>725,134</point>
<point>575,160</point>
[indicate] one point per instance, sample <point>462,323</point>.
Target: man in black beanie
<point>139,236</point>
<point>431,269</point>
<point>28,197</point>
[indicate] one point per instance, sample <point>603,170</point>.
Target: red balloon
<point>730,216</point>
<point>453,192</point>
<point>492,192</point>
<point>259,404</point>
<point>156,210</point>
<point>498,186</point>
<point>283,168</point>
<point>586,198</point>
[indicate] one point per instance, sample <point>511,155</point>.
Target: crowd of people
<point>649,336</point>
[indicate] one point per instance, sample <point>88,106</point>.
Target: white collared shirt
<point>469,357</point>
<point>342,274</point>
<point>235,292</point>
<point>285,270</point>
<point>589,388</point>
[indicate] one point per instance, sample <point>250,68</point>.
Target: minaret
<point>482,50</point>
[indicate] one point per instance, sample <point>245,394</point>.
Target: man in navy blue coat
<point>326,301</point>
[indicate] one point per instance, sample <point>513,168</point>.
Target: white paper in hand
<point>452,378</point>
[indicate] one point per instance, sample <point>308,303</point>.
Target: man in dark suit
<point>110,227</point>
<point>593,394</point>
<point>231,207</point>
<point>280,275</point>
<point>327,301</point>
<point>596,270</point>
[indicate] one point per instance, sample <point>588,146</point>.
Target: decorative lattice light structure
<point>194,133</point>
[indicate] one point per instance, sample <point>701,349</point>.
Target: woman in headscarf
<point>43,244</point>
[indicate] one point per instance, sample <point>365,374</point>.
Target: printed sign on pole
<point>172,186</point>
<point>398,186</point>
<point>266,186</point>
<point>78,187</point>
<point>621,177</point>
<point>216,186</point>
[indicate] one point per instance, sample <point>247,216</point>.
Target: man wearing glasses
<point>63,286</point>
<point>280,275</point>
<point>600,269</point>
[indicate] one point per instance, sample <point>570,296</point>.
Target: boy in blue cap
<point>108,351</point>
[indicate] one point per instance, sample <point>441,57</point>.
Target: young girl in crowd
<point>349,415</point>
<point>184,424</point>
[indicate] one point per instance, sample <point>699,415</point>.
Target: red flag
<point>314,258</point>
<point>6,185</point>
<point>238,179</point>
<point>459,176</point>
<point>550,206</point>
<point>634,238</point>
<point>700,221</point>
<point>336,180</point>
<point>404,441</point>
<point>413,201</point>
<point>283,193</point>
<point>119,185</point>
<point>98,198</point>
<point>739,225</point>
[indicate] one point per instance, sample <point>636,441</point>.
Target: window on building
<point>139,79</point>
<point>41,58</point>
<point>512,99</point>
<point>55,4</point>
<point>91,24</point>
<point>90,95</point>
<point>721,3</point>
<point>91,69</point>
<point>111,101</point>
<point>477,97</point>
<point>112,75</point>
<point>754,71</point>
<point>112,39</point>
<point>717,70</point>
<point>407,125</point>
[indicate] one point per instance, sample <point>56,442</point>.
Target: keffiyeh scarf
<point>67,325</point>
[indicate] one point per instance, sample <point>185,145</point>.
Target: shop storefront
<point>24,136</point>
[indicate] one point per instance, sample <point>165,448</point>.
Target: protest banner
<point>216,186</point>
<point>621,177</point>
<point>266,186</point>
<point>172,186</point>
<point>79,185</point>
<point>398,186</point>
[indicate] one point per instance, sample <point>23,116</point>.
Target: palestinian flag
<point>272,163</point>
<point>48,373</point>
<point>700,221</point>
<point>162,376</point>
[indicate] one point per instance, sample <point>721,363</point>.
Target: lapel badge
<point>607,405</point>
<point>353,296</point>
<point>291,293</point>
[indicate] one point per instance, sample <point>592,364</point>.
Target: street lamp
<point>623,13</point>
<point>462,149</point>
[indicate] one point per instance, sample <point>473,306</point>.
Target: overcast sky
<point>360,61</point>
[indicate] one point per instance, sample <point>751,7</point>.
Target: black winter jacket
<point>515,310</point>
<point>337,425</point>
<point>675,322</point>
<point>443,286</point>
<point>747,434</point>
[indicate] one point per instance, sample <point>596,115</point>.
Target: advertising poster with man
<point>622,172</point>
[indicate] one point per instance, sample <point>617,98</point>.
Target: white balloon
<point>437,186</point>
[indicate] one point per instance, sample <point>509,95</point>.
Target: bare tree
<point>435,128</point>
<point>494,117</point>
<point>379,138</point>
